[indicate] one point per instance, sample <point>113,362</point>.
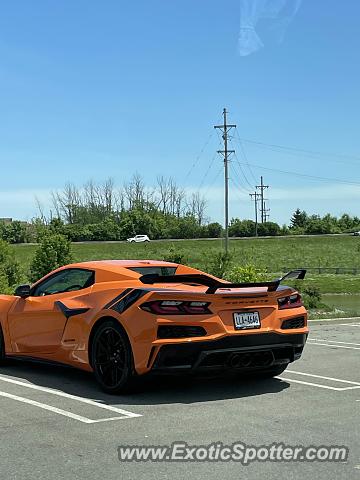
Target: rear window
<point>163,271</point>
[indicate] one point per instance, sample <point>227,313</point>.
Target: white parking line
<point>350,324</point>
<point>355,385</point>
<point>321,376</point>
<point>331,344</point>
<point>59,411</point>
<point>122,413</point>
<point>318,385</point>
<point>332,341</point>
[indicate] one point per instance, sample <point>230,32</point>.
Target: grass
<point>273,254</point>
<point>341,284</point>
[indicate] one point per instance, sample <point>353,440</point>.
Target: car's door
<point>36,323</point>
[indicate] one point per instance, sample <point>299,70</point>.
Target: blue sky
<point>90,90</point>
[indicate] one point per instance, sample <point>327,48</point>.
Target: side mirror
<point>23,291</point>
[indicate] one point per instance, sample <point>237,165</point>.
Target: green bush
<point>37,230</point>
<point>14,232</point>
<point>4,285</point>
<point>183,227</point>
<point>245,273</point>
<point>53,252</point>
<point>174,255</point>
<point>217,263</point>
<point>269,229</point>
<point>241,228</point>
<point>212,230</point>
<point>311,296</point>
<point>10,272</point>
<point>107,230</point>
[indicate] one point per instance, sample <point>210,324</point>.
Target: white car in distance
<point>139,239</point>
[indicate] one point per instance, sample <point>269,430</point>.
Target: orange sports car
<point>124,318</point>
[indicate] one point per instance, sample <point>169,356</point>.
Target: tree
<point>298,219</point>
<point>212,230</point>
<point>269,229</point>
<point>135,192</point>
<point>10,272</point>
<point>14,232</point>
<point>241,228</point>
<point>316,225</point>
<point>163,193</point>
<point>67,202</point>
<point>197,207</point>
<point>53,252</point>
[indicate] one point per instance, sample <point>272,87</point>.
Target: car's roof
<point>115,270</point>
<point>120,270</point>
<point>112,265</point>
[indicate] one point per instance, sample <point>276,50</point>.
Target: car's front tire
<point>111,358</point>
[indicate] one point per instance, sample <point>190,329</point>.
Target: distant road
<point>211,239</point>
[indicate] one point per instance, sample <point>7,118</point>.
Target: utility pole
<point>256,197</point>
<point>262,188</point>
<point>225,129</point>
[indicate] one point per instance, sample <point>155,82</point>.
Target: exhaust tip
<point>240,360</point>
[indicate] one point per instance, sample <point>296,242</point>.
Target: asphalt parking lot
<point>55,423</point>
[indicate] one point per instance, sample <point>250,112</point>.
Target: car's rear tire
<point>272,371</point>
<point>112,359</point>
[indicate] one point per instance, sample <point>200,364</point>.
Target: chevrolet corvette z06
<point>125,318</point>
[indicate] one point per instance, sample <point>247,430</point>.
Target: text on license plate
<point>246,320</point>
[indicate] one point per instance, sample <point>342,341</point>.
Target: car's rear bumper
<point>240,352</point>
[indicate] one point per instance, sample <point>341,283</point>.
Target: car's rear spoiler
<point>213,284</point>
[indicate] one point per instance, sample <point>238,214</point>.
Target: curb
<point>334,320</point>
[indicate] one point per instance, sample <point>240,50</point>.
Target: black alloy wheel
<point>112,358</point>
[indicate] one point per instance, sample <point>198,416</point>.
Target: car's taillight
<point>176,307</point>
<point>291,301</point>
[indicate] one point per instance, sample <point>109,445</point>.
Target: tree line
<point>301,223</point>
<point>101,212</point>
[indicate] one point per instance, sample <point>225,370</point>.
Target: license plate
<point>246,320</point>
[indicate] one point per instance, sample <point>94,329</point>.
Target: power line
<point>237,187</point>
<point>243,173</point>
<point>304,175</point>
<point>309,153</point>
<point>214,180</point>
<point>245,155</point>
<point>196,161</point>
<point>238,162</point>
<point>239,176</point>
<point>207,171</point>
<point>299,154</point>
